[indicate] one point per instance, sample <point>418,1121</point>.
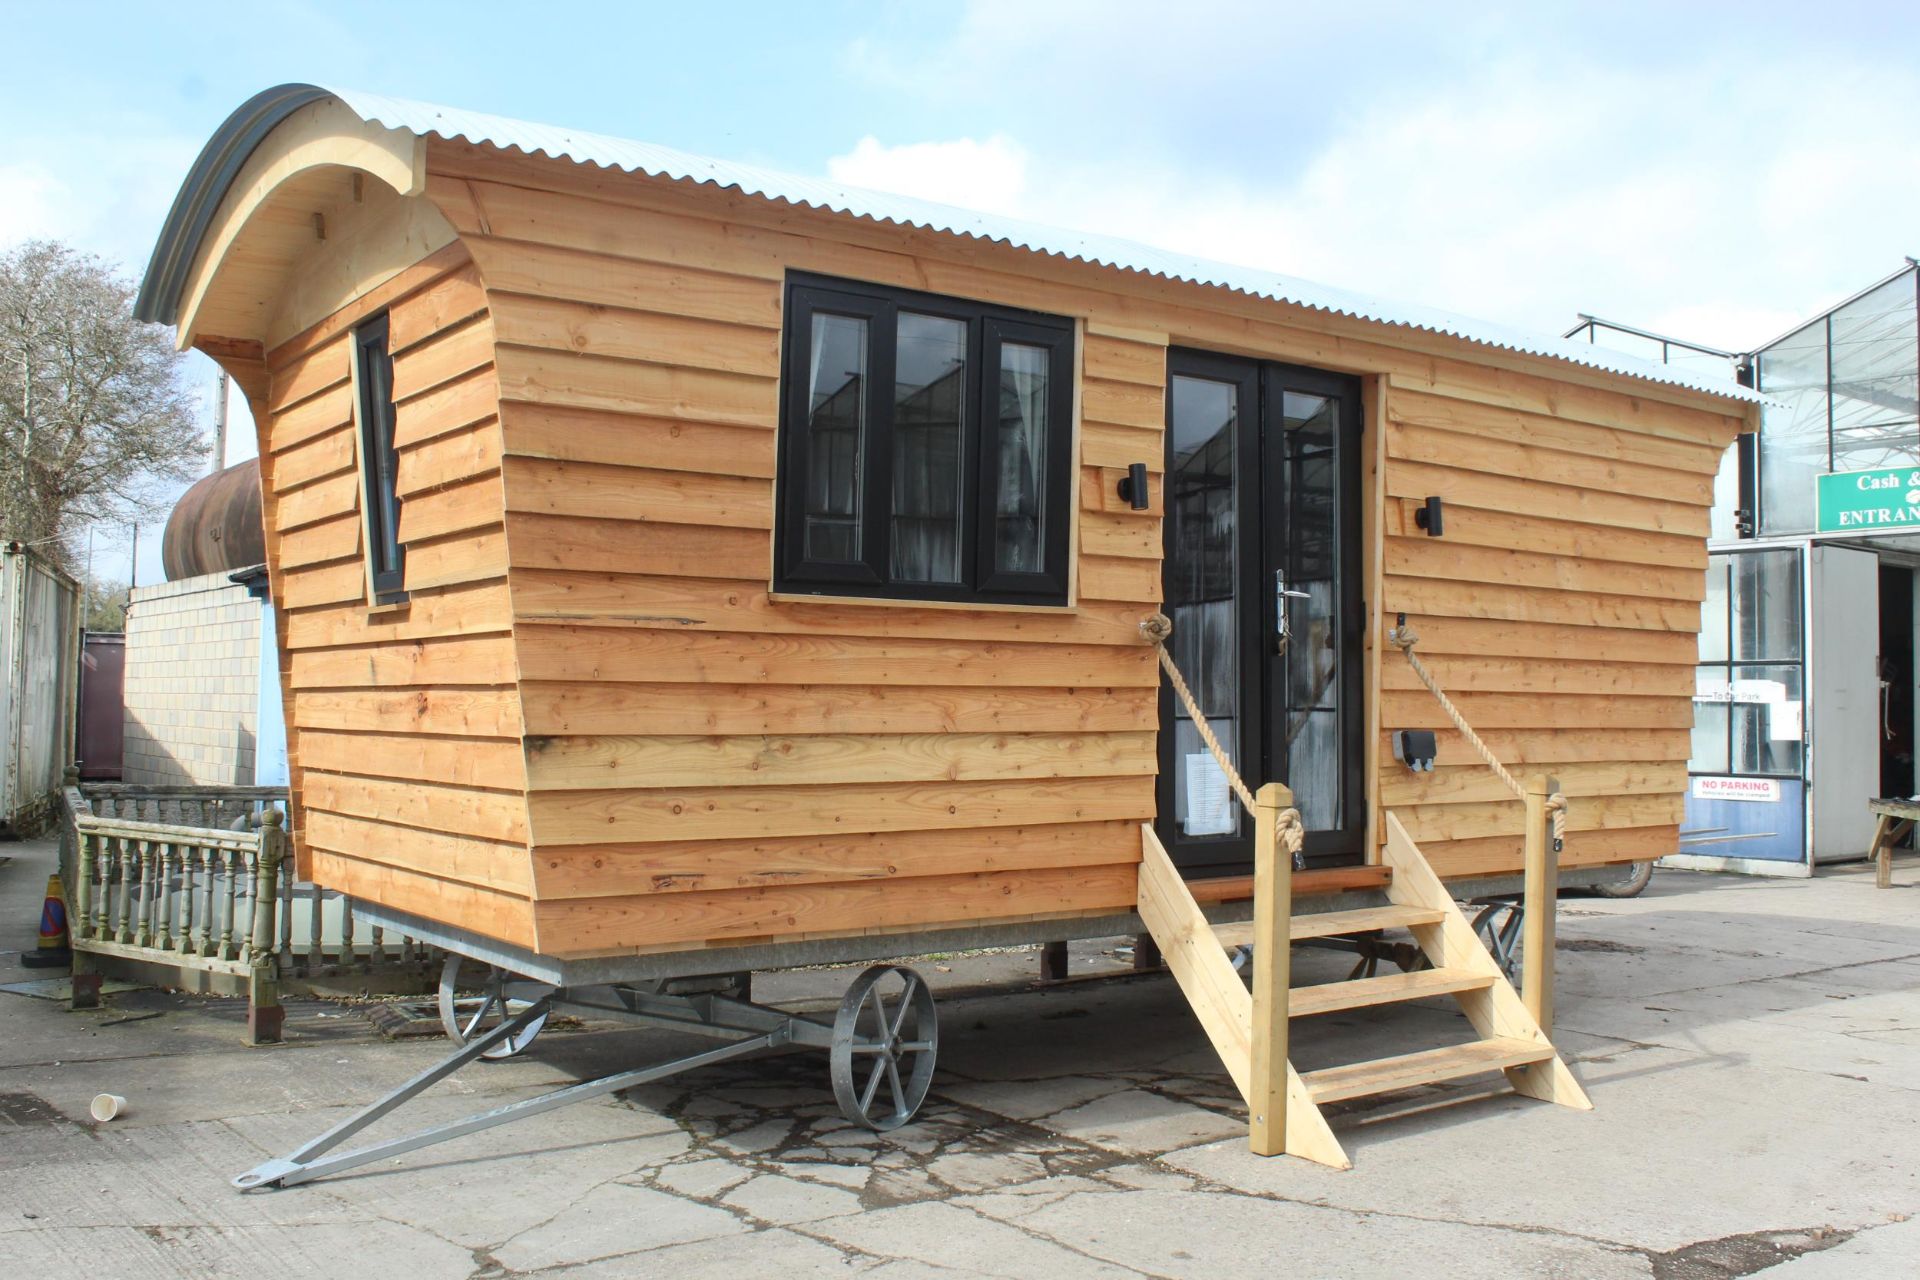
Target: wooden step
<point>1331,924</point>
<point>1430,1066</point>
<point>1306,884</point>
<point>1390,988</point>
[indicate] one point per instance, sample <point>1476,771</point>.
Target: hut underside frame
<point>637,989</point>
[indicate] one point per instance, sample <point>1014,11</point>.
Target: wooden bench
<point>1896,819</point>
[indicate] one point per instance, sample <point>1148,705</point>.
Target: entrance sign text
<point>1868,501</point>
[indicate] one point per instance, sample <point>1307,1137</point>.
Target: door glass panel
<point>1749,705</point>
<point>929,386</point>
<point>1766,719</point>
<point>836,436</point>
<point>1713,613</point>
<point>1711,690</point>
<point>1309,438</point>
<point>1203,515</point>
<point>1766,605</point>
<point>1019,528</point>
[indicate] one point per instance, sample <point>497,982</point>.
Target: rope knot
<point>1157,628</point>
<point>1290,833</point>
<point>1557,811</point>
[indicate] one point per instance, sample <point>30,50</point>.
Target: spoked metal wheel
<point>1373,948</point>
<point>885,1039</point>
<point>490,1000</point>
<point>1500,926</point>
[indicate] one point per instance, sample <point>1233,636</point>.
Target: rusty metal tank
<point>215,527</point>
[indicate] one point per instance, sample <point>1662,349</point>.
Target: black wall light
<point>1431,517</point>
<point>1133,487</point>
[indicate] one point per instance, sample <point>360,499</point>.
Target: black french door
<point>1262,581</point>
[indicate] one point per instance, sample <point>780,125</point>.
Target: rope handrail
<point>1289,831</point>
<point>1405,638</point>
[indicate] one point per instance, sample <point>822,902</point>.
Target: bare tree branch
<point>94,410</point>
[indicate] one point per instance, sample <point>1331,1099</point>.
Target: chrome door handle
<point>1281,594</point>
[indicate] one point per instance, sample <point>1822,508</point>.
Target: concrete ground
<point>1752,1049</point>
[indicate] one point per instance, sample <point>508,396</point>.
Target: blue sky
<point>1716,171</point>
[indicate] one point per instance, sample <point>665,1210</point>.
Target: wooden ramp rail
<point>1248,1025</point>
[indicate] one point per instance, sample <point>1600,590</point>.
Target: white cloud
<point>989,175</point>
<point>1711,191</point>
<point>34,205</point>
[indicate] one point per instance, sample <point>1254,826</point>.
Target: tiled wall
<point>193,662</point>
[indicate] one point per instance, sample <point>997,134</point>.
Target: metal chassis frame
<point>602,986</point>
<point>760,1028</point>
<point>762,957</point>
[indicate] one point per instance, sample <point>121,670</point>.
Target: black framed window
<point>379,462</point>
<point>926,447</point>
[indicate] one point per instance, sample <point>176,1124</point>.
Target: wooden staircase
<point>1284,1105</point>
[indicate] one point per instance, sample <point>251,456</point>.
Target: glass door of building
<point>1262,582</point>
<point>1746,791</point>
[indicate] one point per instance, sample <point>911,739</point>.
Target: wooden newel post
<point>77,863</point>
<point>1272,973</point>
<point>1542,903</point>
<point>265,1014</point>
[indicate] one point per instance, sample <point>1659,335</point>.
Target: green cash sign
<point>1869,501</point>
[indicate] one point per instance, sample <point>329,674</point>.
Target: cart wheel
<point>1500,925</point>
<point>1372,948</point>
<point>475,1015</point>
<point>898,1034</point>
<point>1632,887</point>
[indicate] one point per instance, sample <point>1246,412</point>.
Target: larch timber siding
<point>1559,610</point>
<point>403,723</point>
<point>592,729</point>
<point>705,762</point>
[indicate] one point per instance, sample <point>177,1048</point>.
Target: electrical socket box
<point>1415,748</point>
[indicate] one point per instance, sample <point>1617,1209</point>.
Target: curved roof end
<point>220,161</point>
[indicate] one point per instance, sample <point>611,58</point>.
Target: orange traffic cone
<point>53,952</point>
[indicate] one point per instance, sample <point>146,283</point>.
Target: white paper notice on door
<point>1209,799</point>
<point>1784,722</point>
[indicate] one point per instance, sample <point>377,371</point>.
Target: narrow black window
<point>379,463</point>
<point>926,447</point>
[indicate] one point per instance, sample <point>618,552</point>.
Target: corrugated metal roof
<point>208,180</point>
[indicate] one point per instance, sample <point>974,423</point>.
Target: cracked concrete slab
<point>945,1235</point>
<point>1139,1121</point>
<point>767,1252</point>
<point>292,1250</point>
<point>1030,1099</point>
<point>1680,1147</point>
<point>773,1198</point>
<point>609,1220</point>
<point>1208,1234</point>
<point>1884,1249</point>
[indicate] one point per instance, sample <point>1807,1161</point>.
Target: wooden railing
<point>200,880</point>
<point>181,805</point>
<point>191,892</point>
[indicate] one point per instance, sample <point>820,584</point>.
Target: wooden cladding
<point>595,728</point>
<point>1559,610</point>
<point>671,698</point>
<point>404,723</point>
